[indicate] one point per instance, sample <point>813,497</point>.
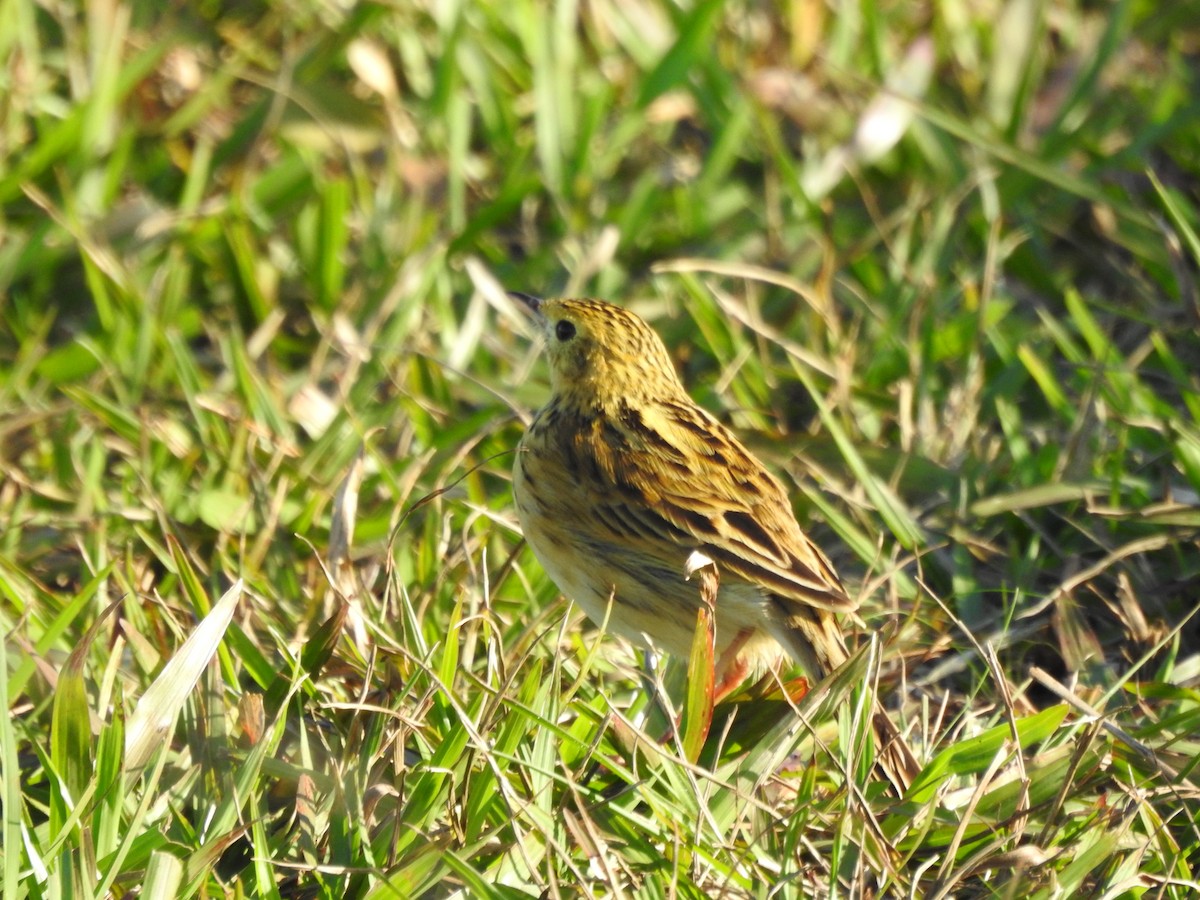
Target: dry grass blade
<point>1060,690</point>
<point>154,715</point>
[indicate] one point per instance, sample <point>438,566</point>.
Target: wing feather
<point>675,474</point>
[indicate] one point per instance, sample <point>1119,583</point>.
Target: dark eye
<point>564,330</point>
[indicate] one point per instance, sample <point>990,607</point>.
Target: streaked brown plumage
<point>622,476</point>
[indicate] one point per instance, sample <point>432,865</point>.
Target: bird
<point>622,481</point>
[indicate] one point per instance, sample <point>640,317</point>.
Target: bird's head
<point>601,354</point>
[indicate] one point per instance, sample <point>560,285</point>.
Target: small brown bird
<point>622,477</point>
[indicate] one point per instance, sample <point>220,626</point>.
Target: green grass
<point>269,627</point>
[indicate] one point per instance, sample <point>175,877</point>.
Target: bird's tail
<point>893,756</point>
<point>818,645</point>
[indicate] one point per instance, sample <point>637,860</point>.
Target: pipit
<point>621,479</point>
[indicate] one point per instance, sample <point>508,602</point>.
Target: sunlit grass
<point>269,625</point>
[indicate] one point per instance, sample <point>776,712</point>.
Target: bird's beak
<point>532,303</point>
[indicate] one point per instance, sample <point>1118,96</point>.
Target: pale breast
<point>641,591</point>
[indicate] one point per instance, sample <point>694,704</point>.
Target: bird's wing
<point>674,473</point>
